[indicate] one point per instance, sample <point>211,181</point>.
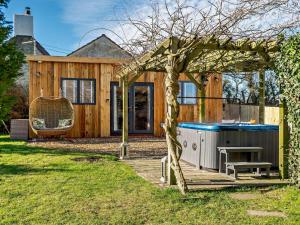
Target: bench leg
<point>252,160</point>
<point>268,172</point>
<point>235,173</point>
<point>227,171</point>
<point>226,161</point>
<point>258,171</point>
<point>220,162</point>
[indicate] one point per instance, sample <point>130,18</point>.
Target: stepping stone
<point>266,213</point>
<point>244,196</point>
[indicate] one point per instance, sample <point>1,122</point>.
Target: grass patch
<point>41,186</point>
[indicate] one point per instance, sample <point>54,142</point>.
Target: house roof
<point>102,46</point>
<point>27,49</point>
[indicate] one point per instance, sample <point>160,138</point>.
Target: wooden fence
<point>250,112</point>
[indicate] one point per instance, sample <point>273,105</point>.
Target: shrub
<point>288,72</point>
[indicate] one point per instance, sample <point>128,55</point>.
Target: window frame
<point>181,97</point>
<point>78,91</point>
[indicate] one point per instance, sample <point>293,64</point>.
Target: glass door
<point>116,107</point>
<point>140,108</point>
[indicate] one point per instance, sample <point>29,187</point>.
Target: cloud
<point>86,16</point>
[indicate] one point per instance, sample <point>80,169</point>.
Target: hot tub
<point>200,141</point>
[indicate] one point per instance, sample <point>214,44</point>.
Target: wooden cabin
<point>92,86</point>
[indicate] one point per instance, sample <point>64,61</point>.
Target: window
<point>79,91</point>
<point>69,90</point>
<point>189,90</point>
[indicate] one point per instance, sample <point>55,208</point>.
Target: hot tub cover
<point>232,126</point>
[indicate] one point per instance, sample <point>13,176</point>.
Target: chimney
<point>23,24</point>
<point>27,11</point>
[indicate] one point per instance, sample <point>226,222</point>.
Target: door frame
<point>131,120</point>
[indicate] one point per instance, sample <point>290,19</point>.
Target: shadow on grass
<point>23,169</point>
<point>7,146</point>
<point>28,150</point>
<point>243,188</point>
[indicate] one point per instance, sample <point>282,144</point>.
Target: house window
<point>79,91</point>
<point>187,93</point>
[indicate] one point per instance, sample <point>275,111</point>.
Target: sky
<point>61,26</point>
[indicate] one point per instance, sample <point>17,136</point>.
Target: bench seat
<point>235,166</point>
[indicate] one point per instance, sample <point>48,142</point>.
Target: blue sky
<point>59,25</point>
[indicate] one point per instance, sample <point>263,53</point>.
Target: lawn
<point>42,186</point>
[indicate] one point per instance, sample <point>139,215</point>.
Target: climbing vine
<point>288,71</point>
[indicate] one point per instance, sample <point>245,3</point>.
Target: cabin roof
<point>101,47</point>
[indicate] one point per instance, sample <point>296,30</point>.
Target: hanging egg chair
<point>51,116</point>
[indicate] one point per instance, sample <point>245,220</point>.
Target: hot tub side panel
<point>190,141</point>
<point>209,156</point>
<point>266,139</point>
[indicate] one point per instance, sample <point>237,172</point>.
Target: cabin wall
<point>47,76</point>
<point>213,107</point>
<point>94,120</point>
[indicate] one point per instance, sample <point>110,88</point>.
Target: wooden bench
<point>235,166</point>
<point>227,151</point>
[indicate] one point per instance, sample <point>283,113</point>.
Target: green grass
<point>40,186</point>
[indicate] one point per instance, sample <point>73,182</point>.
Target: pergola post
<point>202,99</point>
<point>262,93</point>
<point>171,122</point>
<point>283,141</point>
<point>124,145</point>
<point>175,175</point>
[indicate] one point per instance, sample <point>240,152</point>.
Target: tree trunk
<point>174,147</point>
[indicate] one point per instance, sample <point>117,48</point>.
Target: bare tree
<point>221,18</point>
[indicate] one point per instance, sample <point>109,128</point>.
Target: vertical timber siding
<point>213,108</point>
<point>94,120</point>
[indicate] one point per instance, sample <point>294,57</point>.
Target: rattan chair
<point>51,110</point>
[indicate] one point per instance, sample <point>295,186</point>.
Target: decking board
<point>150,170</point>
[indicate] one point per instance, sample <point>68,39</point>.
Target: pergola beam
<point>191,77</point>
<point>190,49</point>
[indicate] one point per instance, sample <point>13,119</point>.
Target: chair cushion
<point>64,123</point>
<point>38,123</point>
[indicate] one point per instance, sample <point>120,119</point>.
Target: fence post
<point>262,91</point>
<point>283,141</point>
<point>201,94</point>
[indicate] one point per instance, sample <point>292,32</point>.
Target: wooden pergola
<point>197,57</point>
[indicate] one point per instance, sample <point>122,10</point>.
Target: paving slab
<point>261,213</point>
<point>245,196</point>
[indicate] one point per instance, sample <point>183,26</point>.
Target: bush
<point>288,71</point>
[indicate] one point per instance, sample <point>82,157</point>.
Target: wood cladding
<point>213,107</point>
<point>94,120</point>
